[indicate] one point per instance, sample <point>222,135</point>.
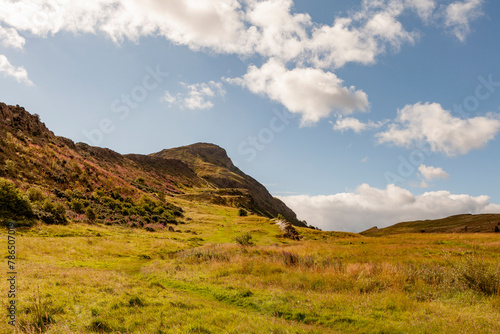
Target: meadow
<point>96,278</point>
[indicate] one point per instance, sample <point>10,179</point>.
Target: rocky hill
<point>121,188</point>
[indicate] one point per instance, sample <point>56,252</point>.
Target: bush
<point>76,205</point>
<point>242,212</point>
<point>12,202</point>
<point>90,214</point>
<point>52,213</point>
<point>35,194</point>
<point>244,239</point>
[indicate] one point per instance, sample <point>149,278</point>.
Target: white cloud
<point>274,31</point>
<point>354,124</point>
<point>430,124</point>
<point>18,73</point>
<point>367,207</point>
<point>168,98</point>
<point>430,173</point>
<point>358,38</point>
<point>458,16</point>
<point>424,8</point>
<point>197,97</point>
<point>217,25</point>
<point>268,28</point>
<point>10,38</point>
<point>313,93</point>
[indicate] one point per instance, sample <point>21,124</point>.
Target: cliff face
<point>17,118</point>
<point>32,155</point>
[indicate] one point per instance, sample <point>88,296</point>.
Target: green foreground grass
<point>107,279</point>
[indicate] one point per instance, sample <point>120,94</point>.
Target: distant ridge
<point>465,223</point>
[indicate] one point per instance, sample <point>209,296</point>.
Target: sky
<point>354,113</point>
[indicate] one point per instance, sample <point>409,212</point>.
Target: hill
<point>123,189</point>
<point>466,223</point>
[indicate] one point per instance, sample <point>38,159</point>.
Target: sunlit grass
<point>95,278</point>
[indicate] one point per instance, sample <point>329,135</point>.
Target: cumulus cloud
<point>266,27</point>
<point>430,124</point>
<point>358,38</point>
<point>430,173</point>
<point>10,38</point>
<point>310,92</point>
<point>18,73</point>
<point>367,207</point>
<point>205,23</point>
<point>197,96</point>
<point>458,16</point>
<point>274,31</point>
<point>350,123</point>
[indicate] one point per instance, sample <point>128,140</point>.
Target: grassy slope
<point>199,281</point>
<point>484,223</point>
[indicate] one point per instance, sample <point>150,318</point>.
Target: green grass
<point>94,278</point>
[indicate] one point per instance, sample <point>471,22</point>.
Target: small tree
<point>497,230</point>
<point>242,212</point>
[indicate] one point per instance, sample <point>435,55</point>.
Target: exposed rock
<point>289,231</point>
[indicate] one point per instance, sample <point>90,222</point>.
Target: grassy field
<point>84,278</point>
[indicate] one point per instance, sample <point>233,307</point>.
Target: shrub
<point>244,239</point>
<point>90,214</point>
<point>242,212</point>
<point>10,167</point>
<point>497,230</point>
<point>35,194</point>
<point>52,213</point>
<point>12,202</point>
<point>77,205</point>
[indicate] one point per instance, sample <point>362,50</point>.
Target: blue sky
<point>355,113</point>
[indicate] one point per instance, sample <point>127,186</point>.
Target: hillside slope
<point>467,223</point>
<point>226,182</point>
<point>120,188</point>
